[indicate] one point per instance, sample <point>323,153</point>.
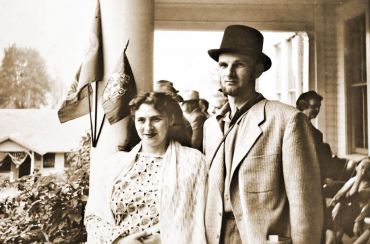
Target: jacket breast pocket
<point>261,173</point>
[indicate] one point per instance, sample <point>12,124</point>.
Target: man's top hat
<point>243,40</point>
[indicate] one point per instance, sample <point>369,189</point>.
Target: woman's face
<point>152,127</point>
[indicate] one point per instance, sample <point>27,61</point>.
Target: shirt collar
<point>226,113</point>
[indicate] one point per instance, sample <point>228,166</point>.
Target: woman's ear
<point>172,119</point>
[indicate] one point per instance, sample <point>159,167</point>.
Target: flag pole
<point>128,41</point>
<point>96,113</point>
<point>91,125</point>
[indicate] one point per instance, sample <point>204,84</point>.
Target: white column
<point>123,20</point>
<point>14,172</point>
<point>320,80</point>
<point>59,162</point>
<point>297,62</point>
<point>285,70</point>
<point>32,156</point>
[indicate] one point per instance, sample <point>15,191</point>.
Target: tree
<point>24,81</point>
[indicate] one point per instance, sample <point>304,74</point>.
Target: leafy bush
<point>49,208</point>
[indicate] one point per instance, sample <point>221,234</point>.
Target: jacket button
<point>220,214</point>
<point>218,236</point>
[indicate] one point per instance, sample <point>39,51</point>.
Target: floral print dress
<point>134,200</point>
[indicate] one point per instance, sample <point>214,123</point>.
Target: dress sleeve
<point>100,231</point>
<point>98,219</point>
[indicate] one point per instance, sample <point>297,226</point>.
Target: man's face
<point>313,108</point>
<point>237,74</point>
<point>185,107</point>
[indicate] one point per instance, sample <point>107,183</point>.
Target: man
<point>193,114</point>
<point>204,106</point>
<point>166,86</point>
<point>216,102</point>
<point>264,182</point>
<point>331,166</point>
<point>309,103</point>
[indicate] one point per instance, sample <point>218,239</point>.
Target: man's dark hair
<point>192,104</point>
<point>303,99</point>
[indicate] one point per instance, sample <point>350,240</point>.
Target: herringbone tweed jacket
<point>275,179</point>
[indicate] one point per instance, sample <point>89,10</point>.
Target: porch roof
<point>40,130</point>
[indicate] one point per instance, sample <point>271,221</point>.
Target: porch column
<point>32,168</point>
<point>123,20</point>
<point>285,71</point>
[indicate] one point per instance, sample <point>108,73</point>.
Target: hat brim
<point>215,53</point>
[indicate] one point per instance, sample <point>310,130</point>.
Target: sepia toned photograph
<point>184,121</point>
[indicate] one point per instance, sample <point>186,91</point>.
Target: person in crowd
<point>332,167</point>
<point>204,106</point>
<point>359,227</point>
<point>181,125</point>
<point>309,103</point>
<point>193,114</point>
<point>351,203</point>
<point>166,86</point>
<point>264,184</point>
<point>216,102</point>
<point>156,192</point>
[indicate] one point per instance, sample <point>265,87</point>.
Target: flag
<point>77,102</point>
<point>120,89</point>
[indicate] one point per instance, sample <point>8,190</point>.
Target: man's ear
<point>259,70</point>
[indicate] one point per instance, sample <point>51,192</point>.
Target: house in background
<point>34,139</point>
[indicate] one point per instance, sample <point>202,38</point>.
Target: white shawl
<point>182,192</point>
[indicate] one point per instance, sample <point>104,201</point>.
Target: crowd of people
<point>237,169</point>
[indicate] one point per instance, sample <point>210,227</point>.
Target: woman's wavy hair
<point>165,103</point>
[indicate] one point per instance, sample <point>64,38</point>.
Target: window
<point>290,66</point>
<point>355,75</point>
<point>49,160</point>
<point>278,73</point>
<point>5,165</point>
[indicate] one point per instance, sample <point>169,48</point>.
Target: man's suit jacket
<point>275,178</point>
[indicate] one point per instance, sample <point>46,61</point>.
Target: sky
<point>59,30</point>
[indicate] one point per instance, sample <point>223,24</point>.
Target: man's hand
<point>330,237</point>
<point>357,229</point>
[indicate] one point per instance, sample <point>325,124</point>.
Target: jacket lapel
<point>248,133</point>
<point>217,164</point>
<point>214,134</point>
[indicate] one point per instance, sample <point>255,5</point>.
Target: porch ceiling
<point>268,15</point>
<point>279,2</point>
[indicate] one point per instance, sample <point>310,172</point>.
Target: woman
<point>159,186</point>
